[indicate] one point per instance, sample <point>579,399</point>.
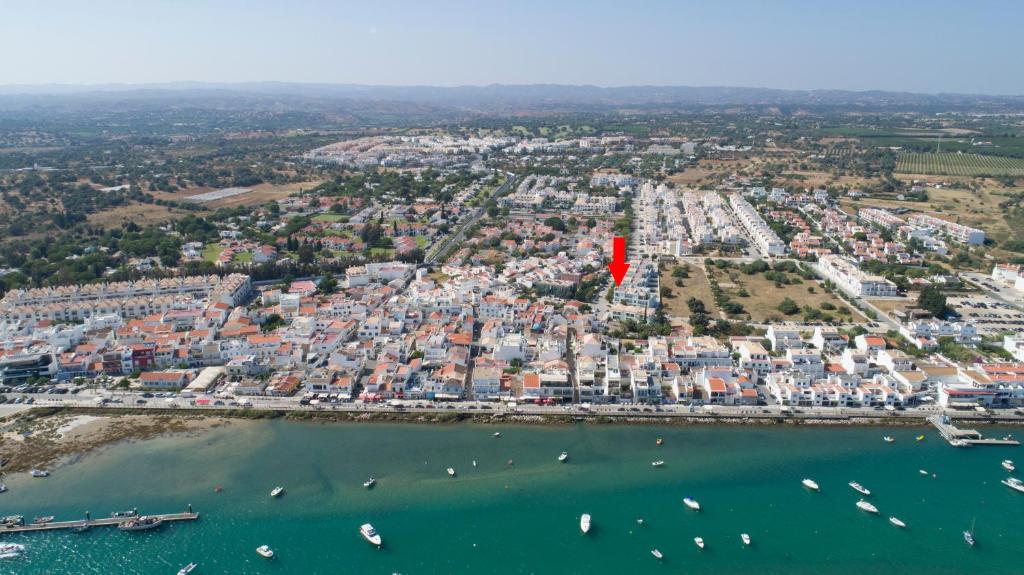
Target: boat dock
<point>952,433</point>
<point>104,522</point>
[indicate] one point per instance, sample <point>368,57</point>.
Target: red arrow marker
<point>618,267</point>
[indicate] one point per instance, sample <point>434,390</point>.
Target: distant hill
<point>483,99</point>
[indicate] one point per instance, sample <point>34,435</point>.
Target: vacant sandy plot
<point>764,298</point>
<point>694,286</point>
<point>141,214</point>
<point>260,194</point>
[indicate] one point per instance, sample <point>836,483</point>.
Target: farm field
<point>953,164</point>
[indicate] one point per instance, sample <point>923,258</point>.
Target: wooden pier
<point>966,437</point>
<point>104,522</point>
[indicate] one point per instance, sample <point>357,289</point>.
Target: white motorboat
<point>265,551</point>
<point>1008,465</point>
<point>276,491</point>
<point>370,534</point>
<point>811,484</point>
<point>187,569</point>
<point>658,463</point>
<point>369,483</point>
<point>897,523</point>
<point>745,538</point>
<point>1014,484</point>
<point>125,514</point>
<point>959,443</point>
<point>451,472</point>
<point>585,523</point>
<point>3,487</point>
<point>699,541</point>
<point>889,439</point>
<point>563,456</point>
<point>497,434</point>
<point>474,463</point>
<point>42,520</point>
<point>969,535</point>
<point>691,503</point>
<point>657,554</point>
<point>865,506</point>
<point>11,548</point>
<point>39,473</point>
<point>922,472</point>
<point>859,488</point>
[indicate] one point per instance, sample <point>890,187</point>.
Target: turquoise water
<point>524,518</point>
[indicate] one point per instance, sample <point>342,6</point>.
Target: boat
<point>922,472</point>
<point>920,438</point>
<point>1008,465</point>
<point>691,503</point>
<point>474,463</point>
<point>451,472</point>
<point>745,538</point>
<point>969,535</point>
<point>1014,483</point>
<point>80,528</point>
<point>369,483</point>
<point>3,487</point>
<point>659,441</point>
<point>811,484</point>
<point>959,443</point>
<point>897,522</point>
<point>640,521</point>
<point>39,473</point>
<point>265,551</point>
<point>657,554</point>
<point>11,547</point>
<point>658,463</point>
<point>276,491</point>
<point>497,434</point>
<point>370,534</point>
<point>585,523</point>
<point>187,569</point>
<point>143,523</point>
<point>889,439</point>
<point>865,506</point>
<point>699,541</point>
<point>42,520</point>
<point>859,488</point>
<point>12,520</point>
<point>563,456</point>
<point>125,514</point>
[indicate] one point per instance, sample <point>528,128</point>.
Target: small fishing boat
<point>369,483</point>
<point>811,484</point>
<point>451,472</point>
<point>691,503</point>
<point>370,534</point>
<point>859,488</point>
<point>12,520</point>
<point>265,551</point>
<point>585,523</point>
<point>888,439</point>
<point>80,528</point>
<point>658,463</point>
<point>922,472</point>
<point>276,491</point>
<point>1008,465</point>
<point>657,554</point>
<point>865,506</point>
<point>42,520</point>
<point>187,569</point>
<point>640,521</point>
<point>959,443</point>
<point>920,438</point>
<point>897,523</point>
<point>141,524</point>
<point>497,434</point>
<point>699,541</point>
<point>563,456</point>
<point>745,538</point>
<point>39,473</point>
<point>1014,484</point>
<point>969,535</point>
<point>659,441</point>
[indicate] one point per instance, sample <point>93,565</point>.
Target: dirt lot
<point>764,298</point>
<point>260,194</point>
<point>141,214</point>
<point>694,286</point>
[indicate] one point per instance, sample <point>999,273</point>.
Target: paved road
<point>457,238</point>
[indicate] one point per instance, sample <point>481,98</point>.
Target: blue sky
<point>907,45</point>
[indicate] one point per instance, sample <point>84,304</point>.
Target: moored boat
<point>187,569</point>
<point>859,488</point>
<point>888,439</point>
<point>811,484</point>
<point>140,524</point>
<point>691,503</point>
<point>276,491</point>
<point>922,472</point>
<point>125,514</point>
<point>370,534</point>
<point>897,522</point>
<point>585,523</point>
<point>1014,483</point>
<point>12,520</point>
<point>563,456</point>
<point>369,483</point>
<point>699,541</point>
<point>920,438</point>
<point>659,441</point>
<point>42,520</point>
<point>497,434</point>
<point>1008,465</point>
<point>39,473</point>
<point>969,535</point>
<point>745,538</point>
<point>451,472</point>
<point>657,554</point>
<point>865,506</point>
<point>658,463</point>
<point>80,528</point>
<point>265,551</point>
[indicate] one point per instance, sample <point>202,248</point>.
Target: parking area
<point>990,316</point>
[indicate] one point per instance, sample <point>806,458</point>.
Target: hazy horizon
<point>915,47</point>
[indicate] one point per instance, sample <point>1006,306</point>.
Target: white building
<point>852,280</point>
